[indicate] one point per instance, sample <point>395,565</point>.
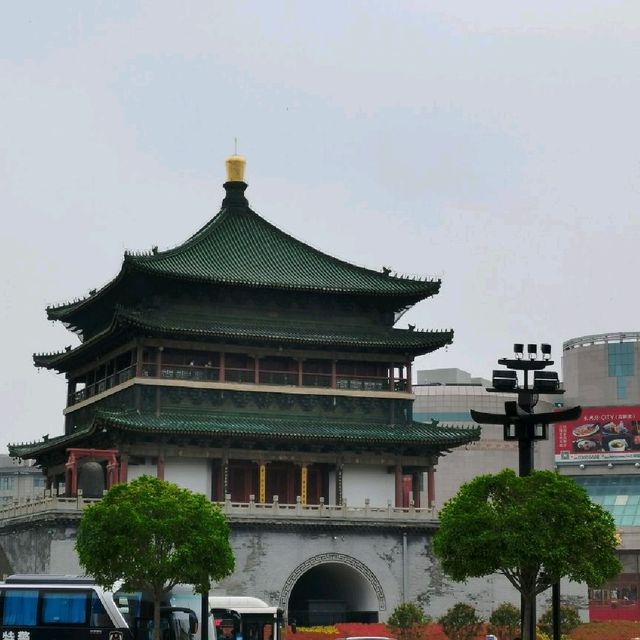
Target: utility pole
<point>520,423</point>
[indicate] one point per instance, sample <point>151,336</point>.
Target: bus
<point>47,607</point>
<point>246,618</point>
<point>233,617</point>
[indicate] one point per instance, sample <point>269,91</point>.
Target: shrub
<point>504,621</point>
<point>569,620</point>
<point>406,621</point>
<point>461,622</point>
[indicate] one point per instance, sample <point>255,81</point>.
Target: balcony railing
<point>113,380</point>
<point>52,504</point>
<point>195,373</point>
<point>180,372</point>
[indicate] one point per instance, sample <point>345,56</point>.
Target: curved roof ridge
<point>54,310</point>
<point>244,424</point>
<point>302,332</point>
<point>239,246</point>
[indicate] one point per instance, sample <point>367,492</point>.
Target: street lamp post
<point>520,423</point>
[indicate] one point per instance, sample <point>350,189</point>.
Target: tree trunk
<point>156,616</point>
<point>528,633</point>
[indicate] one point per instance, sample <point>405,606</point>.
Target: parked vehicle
<point>246,618</point>
<point>47,607</point>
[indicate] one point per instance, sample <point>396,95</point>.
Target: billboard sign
<point>601,433</point>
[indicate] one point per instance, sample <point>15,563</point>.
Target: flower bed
<point>618,630</point>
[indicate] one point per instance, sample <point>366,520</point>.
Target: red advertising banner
<point>601,433</point>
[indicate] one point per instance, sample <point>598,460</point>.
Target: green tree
<point>569,620</point>
<point>152,535</point>
<point>534,530</point>
<point>406,621</point>
<point>504,621</point>
<point>461,622</point>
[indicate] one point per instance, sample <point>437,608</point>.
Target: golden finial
<point>235,165</point>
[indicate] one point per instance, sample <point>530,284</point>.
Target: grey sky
<point>495,144</point>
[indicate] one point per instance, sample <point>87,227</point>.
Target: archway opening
<point>332,592</point>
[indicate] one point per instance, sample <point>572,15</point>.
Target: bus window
<point>64,607</point>
<point>20,608</point>
<point>99,616</point>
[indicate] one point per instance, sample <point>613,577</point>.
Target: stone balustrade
<point>52,505</point>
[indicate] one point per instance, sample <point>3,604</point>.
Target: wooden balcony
<point>205,374</point>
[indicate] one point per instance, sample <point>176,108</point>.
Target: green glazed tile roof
<point>170,321</point>
<point>238,247</point>
<point>309,429</point>
<point>26,450</point>
<point>298,332</point>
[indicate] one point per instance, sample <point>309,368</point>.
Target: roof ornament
<point>235,165</point>
<point>386,271</point>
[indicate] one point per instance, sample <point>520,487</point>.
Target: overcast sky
<point>493,144</point>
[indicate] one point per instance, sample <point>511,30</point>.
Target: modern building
<point>448,395</point>
<point>251,367</point>
<point>601,450</point>
<point>19,481</point>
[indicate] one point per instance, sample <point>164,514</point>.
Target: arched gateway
<point>332,587</point>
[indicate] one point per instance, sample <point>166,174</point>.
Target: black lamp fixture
<point>520,423</point>
<point>505,380</point>
<point>546,382</point>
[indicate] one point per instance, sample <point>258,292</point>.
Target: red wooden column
<point>409,388</point>
<point>124,467</point>
<point>415,488</point>
<point>248,489</point>
<point>399,501</point>
<point>334,377</point>
<point>339,488</point>
<point>160,467</point>
<point>300,361</point>
<point>256,377</point>
<point>112,472</point>
<point>71,475</point>
<point>158,375</point>
<point>431,486</point>
<point>222,371</point>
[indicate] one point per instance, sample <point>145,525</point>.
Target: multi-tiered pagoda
<point>247,365</point>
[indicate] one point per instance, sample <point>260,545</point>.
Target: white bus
<point>233,617</point>
<point>246,618</point>
<point>48,607</point>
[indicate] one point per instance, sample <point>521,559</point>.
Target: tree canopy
<point>152,535</point>
<point>534,530</point>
